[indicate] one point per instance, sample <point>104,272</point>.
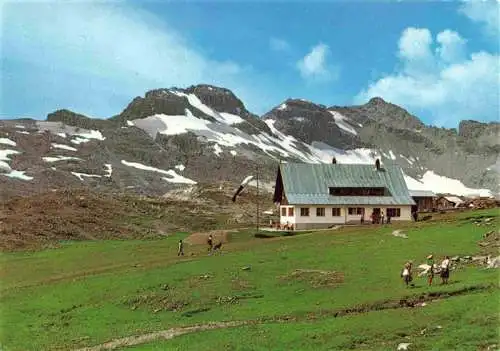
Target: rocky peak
<point>220,99</point>
<point>78,120</point>
<point>376,101</point>
<point>298,109</point>
<point>385,112</point>
<point>310,122</point>
<point>479,135</point>
<point>469,128</point>
<point>158,101</point>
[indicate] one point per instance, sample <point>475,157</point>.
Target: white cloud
<point>277,44</point>
<point>452,46</point>
<point>113,47</point>
<point>314,65</point>
<point>443,82</point>
<point>484,12</point>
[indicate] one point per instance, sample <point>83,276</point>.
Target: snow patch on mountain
<point>444,185</point>
<point>324,153</point>
<point>392,156</point>
<point>4,159</point>
<point>4,154</point>
<point>64,147</point>
<point>223,117</point>
<point>109,169</point>
<point>59,158</point>
<point>407,159</point>
<point>7,141</point>
<point>173,176</point>
<point>82,175</point>
<point>17,175</point>
<point>217,149</point>
<point>342,123</point>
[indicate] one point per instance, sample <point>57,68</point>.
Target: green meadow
<point>338,289</point>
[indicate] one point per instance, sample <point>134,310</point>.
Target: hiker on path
<point>210,242</point>
<point>445,270</point>
<point>180,252</point>
<point>430,274</point>
<point>406,273</point>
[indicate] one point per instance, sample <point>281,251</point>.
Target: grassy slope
<point>87,293</point>
<point>463,323</point>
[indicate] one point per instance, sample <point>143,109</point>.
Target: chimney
<point>377,164</point>
<point>334,161</point>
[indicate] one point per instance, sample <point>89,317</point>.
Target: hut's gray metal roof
<point>309,183</point>
<point>422,193</point>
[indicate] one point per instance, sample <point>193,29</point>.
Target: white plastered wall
<point>343,218</point>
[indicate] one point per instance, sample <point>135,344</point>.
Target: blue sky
<point>440,60</point>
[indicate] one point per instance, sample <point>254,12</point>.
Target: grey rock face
<point>213,151</point>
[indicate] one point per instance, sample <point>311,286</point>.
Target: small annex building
<point>425,200</point>
<point>314,196</point>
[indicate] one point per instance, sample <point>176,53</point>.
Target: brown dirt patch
<point>490,244</point>
<point>42,220</point>
<point>163,299</point>
<point>316,278</point>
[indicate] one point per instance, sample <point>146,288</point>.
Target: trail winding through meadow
<point>404,302</point>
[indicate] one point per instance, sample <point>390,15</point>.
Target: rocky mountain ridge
<point>204,134</point>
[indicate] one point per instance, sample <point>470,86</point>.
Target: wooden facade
<point>424,203</point>
<point>425,200</point>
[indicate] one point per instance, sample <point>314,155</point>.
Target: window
<point>290,212</point>
<point>283,212</point>
<point>335,212</point>
<point>353,211</point>
<point>393,212</point>
<point>379,191</point>
<point>320,212</point>
<point>304,211</point>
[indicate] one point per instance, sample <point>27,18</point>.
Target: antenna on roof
<point>334,161</point>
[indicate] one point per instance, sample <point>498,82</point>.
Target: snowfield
<point>439,184</point>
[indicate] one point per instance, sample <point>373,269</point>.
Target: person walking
<point>445,270</point>
<point>430,273</point>
<point>180,251</point>
<point>406,273</point>
<point>210,242</point>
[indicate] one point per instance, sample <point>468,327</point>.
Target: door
<point>376,215</point>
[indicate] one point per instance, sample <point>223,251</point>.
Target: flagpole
<point>258,210</point>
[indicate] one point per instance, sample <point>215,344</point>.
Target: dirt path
<point>404,302</point>
<point>164,334</point>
